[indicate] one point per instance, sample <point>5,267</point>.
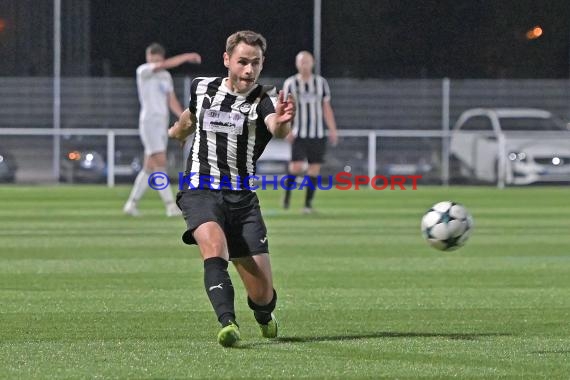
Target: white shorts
<point>154,135</point>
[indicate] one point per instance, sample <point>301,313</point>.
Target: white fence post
<point>445,127</point>
<point>56,88</point>
<point>501,160</point>
<point>110,158</point>
<point>371,154</point>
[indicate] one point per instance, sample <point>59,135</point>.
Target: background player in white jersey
<point>157,97</point>
<point>234,118</point>
<point>308,138</point>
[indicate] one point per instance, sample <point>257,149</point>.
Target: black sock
<point>311,192</point>
<point>262,313</point>
<point>220,289</point>
<point>289,181</point>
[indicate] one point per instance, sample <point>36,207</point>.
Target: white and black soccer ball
<point>447,225</point>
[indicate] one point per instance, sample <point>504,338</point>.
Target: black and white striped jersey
<point>309,97</point>
<point>230,133</point>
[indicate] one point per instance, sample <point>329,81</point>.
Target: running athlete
<point>233,119</point>
<point>307,138</point>
<point>156,96</point>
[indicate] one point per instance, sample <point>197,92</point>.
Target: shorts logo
<point>263,240</point>
<point>245,108</point>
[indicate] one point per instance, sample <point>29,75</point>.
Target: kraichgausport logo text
<point>340,181</point>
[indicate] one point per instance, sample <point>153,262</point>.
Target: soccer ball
<point>447,225</point>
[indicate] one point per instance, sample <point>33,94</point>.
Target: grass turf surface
<point>88,292</point>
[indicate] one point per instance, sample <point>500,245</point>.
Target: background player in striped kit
<point>308,138</point>
<point>156,96</point>
<point>233,119</point>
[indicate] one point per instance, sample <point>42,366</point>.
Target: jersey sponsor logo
<point>223,122</point>
<point>308,98</point>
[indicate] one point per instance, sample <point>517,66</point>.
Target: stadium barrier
<point>360,152</point>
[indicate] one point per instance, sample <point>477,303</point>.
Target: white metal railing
<point>371,135</point>
<point>111,134</point>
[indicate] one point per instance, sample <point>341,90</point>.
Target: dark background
<point>360,38</point>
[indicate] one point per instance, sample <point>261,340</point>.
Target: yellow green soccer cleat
<point>270,329</point>
<point>229,335</point>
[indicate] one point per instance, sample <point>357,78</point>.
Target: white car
<point>518,145</point>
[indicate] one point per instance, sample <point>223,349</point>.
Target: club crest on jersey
<point>245,108</point>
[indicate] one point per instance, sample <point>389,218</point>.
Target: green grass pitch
<point>86,292</point>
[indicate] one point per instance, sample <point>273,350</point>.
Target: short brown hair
<point>156,48</point>
<point>247,36</point>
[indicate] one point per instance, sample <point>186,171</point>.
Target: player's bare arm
<point>174,104</point>
<point>279,123</point>
<point>184,127</point>
<point>328,115</point>
<point>177,60</point>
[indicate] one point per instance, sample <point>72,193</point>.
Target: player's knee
<point>211,240</point>
<point>296,168</point>
<point>156,161</point>
<point>213,248</point>
<point>313,172</point>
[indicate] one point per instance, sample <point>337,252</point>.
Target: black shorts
<point>237,212</point>
<point>312,150</point>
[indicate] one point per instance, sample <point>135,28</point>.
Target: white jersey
<point>154,88</point>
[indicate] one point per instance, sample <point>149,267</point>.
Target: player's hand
<point>193,58</point>
<point>333,137</point>
<point>285,108</point>
<point>173,135</point>
<point>290,137</point>
<point>173,132</point>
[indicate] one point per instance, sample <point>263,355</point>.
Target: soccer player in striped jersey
<point>156,96</point>
<point>308,138</point>
<point>233,119</point>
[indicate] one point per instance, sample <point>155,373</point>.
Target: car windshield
<point>531,124</point>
